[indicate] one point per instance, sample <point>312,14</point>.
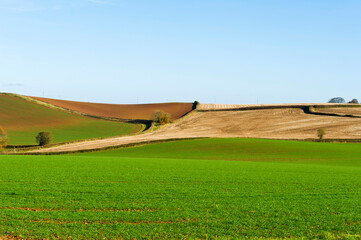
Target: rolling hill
<point>22,120</point>
<point>289,122</point>
<point>122,111</point>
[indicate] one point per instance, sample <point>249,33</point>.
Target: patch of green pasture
<point>84,130</point>
<point>118,194</point>
<point>243,149</point>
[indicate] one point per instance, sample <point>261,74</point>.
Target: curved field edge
<point>22,120</point>
<point>339,111</point>
<point>144,194</point>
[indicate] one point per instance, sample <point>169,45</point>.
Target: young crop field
<point>192,189</point>
<point>23,120</point>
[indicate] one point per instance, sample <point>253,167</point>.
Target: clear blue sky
<point>224,51</point>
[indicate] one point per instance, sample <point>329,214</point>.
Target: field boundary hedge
<point>313,110</point>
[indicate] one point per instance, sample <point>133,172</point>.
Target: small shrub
<point>195,105</point>
<point>320,133</point>
<point>161,117</point>
<point>354,101</point>
<point>337,100</point>
<point>3,138</point>
<point>44,138</point>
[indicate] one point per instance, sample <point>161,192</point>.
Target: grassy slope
<point>240,149</point>
<point>170,190</point>
<point>23,120</point>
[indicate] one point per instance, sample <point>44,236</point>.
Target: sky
<point>212,51</point>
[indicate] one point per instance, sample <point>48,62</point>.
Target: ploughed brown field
<point>286,123</point>
<point>122,111</point>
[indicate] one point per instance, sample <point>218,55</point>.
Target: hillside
<point>244,149</point>
<point>122,111</point>
<point>22,120</point>
<point>281,123</point>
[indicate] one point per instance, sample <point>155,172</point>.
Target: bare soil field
<point>286,123</point>
<point>122,111</point>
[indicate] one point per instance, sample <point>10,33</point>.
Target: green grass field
<point>23,120</point>
<point>194,189</point>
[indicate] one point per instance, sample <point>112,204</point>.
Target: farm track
<point>265,121</point>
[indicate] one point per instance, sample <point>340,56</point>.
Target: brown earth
<point>285,123</point>
<point>122,111</point>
